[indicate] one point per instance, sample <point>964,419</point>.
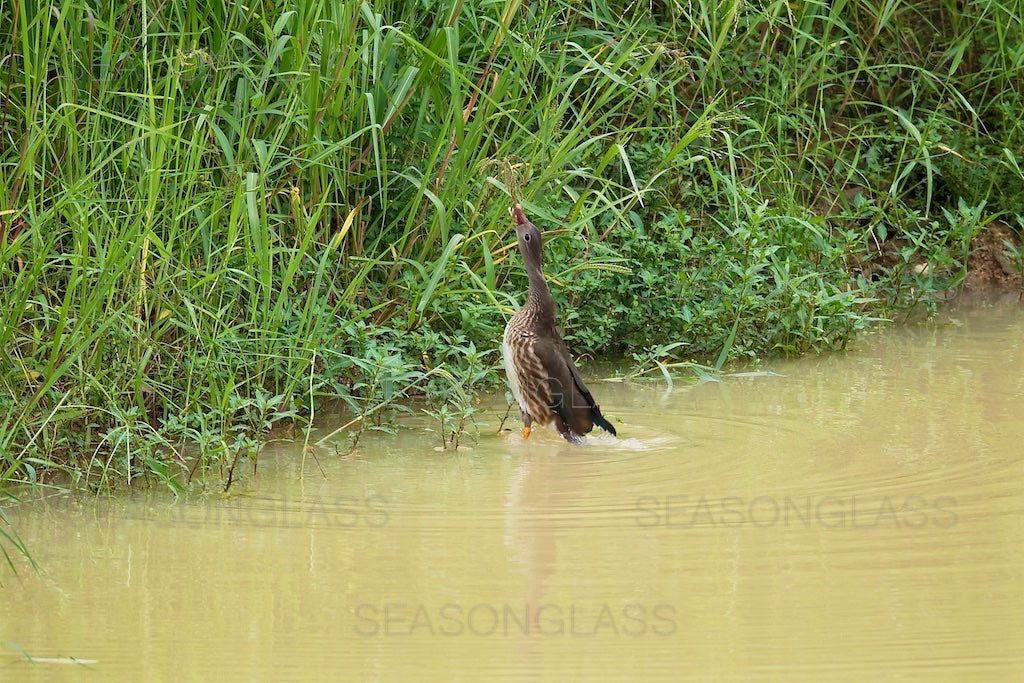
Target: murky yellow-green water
<point>858,517</point>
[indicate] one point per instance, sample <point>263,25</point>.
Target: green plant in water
<point>451,390</point>
<point>10,541</point>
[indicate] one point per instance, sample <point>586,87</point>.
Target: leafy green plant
<point>451,389</point>
<point>215,219</point>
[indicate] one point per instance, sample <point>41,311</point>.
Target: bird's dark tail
<point>603,423</point>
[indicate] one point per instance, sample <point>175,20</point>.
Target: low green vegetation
<point>214,220</point>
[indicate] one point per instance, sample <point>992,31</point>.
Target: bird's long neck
<point>538,297</point>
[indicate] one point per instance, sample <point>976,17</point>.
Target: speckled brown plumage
<point>544,380</point>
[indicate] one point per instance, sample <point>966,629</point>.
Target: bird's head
<point>528,235</point>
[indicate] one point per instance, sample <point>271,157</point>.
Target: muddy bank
<point>991,267</point>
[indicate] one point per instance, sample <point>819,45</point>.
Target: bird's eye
<point>526,237</point>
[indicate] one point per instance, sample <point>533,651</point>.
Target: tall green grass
<point>214,219</point>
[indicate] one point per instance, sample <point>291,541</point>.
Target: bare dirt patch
<point>989,268</point>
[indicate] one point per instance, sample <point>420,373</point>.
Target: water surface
<point>852,516</point>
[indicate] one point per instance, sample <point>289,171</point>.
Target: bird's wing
<point>570,397</point>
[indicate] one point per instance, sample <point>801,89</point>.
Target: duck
<point>541,374</point>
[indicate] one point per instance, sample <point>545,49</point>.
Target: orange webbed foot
<point>526,433</point>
